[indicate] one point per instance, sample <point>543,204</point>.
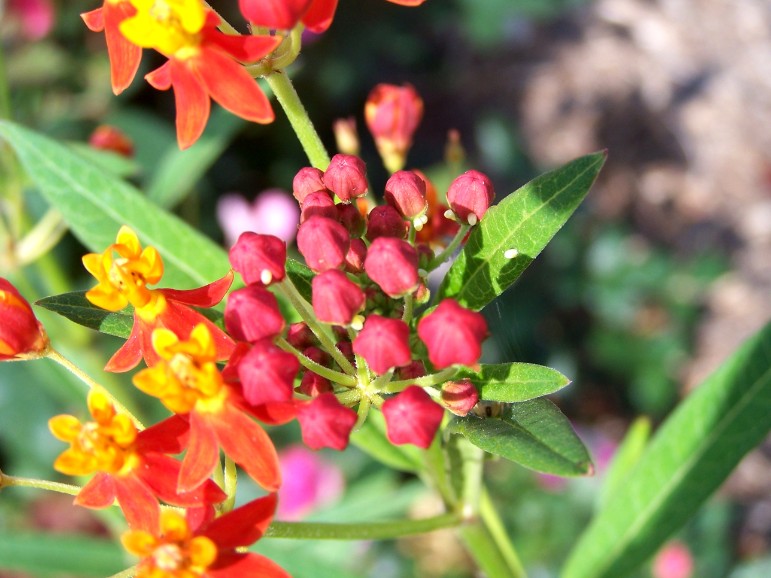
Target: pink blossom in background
<point>273,212</point>
<point>309,483</point>
<point>36,17</point>
<point>674,560</point>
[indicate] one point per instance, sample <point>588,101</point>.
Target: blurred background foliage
<point>654,281</point>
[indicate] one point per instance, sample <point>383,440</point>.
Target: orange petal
<point>98,493</point>
<point>124,56</point>
<point>202,454</point>
<point>244,525</point>
<point>243,48</point>
<point>206,296</point>
<point>166,437</point>
<point>231,86</point>
<point>192,102</point>
<point>232,565</point>
<point>181,320</point>
<point>139,504</point>
<point>129,354</point>
<point>160,78</point>
<point>94,20</point>
<point>320,15</point>
<point>161,472</point>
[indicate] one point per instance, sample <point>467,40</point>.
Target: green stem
<point>231,483</point>
<point>495,527</point>
<point>54,355</point>
<point>308,363</point>
<point>298,117</point>
<point>7,481</point>
<point>361,531</point>
<point>450,249</point>
<point>425,381</point>
<point>5,92</point>
<point>127,573</point>
<point>46,233</point>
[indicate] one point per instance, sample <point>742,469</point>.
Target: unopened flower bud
<point>300,336</point>
<point>412,417</point>
<point>323,242</point>
<point>459,396</point>
<point>354,259</point>
<point>406,192</point>
<point>267,373</point>
<point>318,204</point>
<point>307,180</point>
<point>313,385</point>
<point>392,114</point>
<point>325,423</point>
<point>336,299</point>
<point>21,334</point>
<point>346,137</point>
<point>393,265</point>
<point>252,314</point>
<point>346,176</point>
<point>411,371</point>
<point>470,195</point>
<point>384,343</point>
<point>259,258</point>
<point>351,218</point>
<point>385,221</point>
<point>452,334</point>
<point>109,138</point>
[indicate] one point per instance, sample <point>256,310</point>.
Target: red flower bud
<point>459,396</point>
<point>21,334</point>
<point>259,258</point>
<point>411,371</point>
<point>393,265</point>
<point>406,192</point>
<point>354,259</point>
<point>384,343</point>
<point>318,204</point>
<point>453,334</point>
<point>252,314</point>
<point>351,218</point>
<point>323,242</point>
<point>412,417</point>
<point>325,423</point>
<point>109,138</point>
<point>318,355</point>
<point>392,114</point>
<point>281,14</point>
<point>313,385</point>
<point>336,299</point>
<point>346,176</point>
<point>470,194</point>
<point>307,180</point>
<point>346,348</point>
<point>267,373</point>
<point>385,221</point>
<point>300,336</point>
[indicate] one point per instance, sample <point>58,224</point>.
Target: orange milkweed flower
<point>203,62</point>
<point>196,547</point>
<point>124,280</point>
<point>124,55</point>
<point>129,465</point>
<point>187,381</point>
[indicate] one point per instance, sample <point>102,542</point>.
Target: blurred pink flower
<point>273,212</point>
<point>309,483</point>
<point>36,17</point>
<point>674,560</point>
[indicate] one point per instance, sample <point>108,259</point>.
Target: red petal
<point>245,566</point>
<point>248,445</point>
<point>320,15</point>
<point>160,78</point>
<point>139,504</point>
<point>94,20</point>
<point>408,2</point>
<point>129,354</point>
<point>98,493</point>
<point>231,86</point>
<point>202,454</point>
<point>206,296</point>
<point>166,437</point>
<point>243,48</point>
<point>124,56</point>
<point>160,473</point>
<point>244,525</point>
<point>192,102</point>
<point>181,320</point>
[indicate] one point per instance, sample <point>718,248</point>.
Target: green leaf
<point>525,221</point>
<point>626,457</point>
<point>54,555</point>
<point>95,204</point>
<point>75,307</point>
<point>533,433</point>
<point>301,276</point>
<point>514,382</point>
<point>111,162</point>
<point>693,452</point>
<point>178,171</point>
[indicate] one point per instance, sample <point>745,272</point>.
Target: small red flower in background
<point>124,280</point>
<point>21,334</point>
<point>125,56</point>
<point>36,17</point>
<point>393,113</point>
<point>129,465</point>
<point>109,138</point>
<point>180,547</point>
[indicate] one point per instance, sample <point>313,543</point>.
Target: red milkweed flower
<point>129,464</point>
<point>124,55</point>
<point>187,381</point>
<point>393,113</point>
<point>21,334</point>
<point>197,546</point>
<point>203,62</point>
<point>124,280</point>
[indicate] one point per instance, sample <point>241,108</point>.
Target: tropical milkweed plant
<point>369,334</point>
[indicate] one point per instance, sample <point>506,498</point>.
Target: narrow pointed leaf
<point>625,458</point>
<point>689,457</point>
<point>514,382</point>
<point>75,307</point>
<point>533,433</point>
<point>525,221</point>
<point>95,204</point>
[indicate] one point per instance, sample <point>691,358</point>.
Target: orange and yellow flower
<point>129,465</point>
<point>21,335</point>
<point>187,381</point>
<point>124,271</point>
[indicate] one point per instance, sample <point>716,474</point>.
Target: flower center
<point>170,26</point>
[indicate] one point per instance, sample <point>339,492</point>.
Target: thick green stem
<point>298,117</point>
<point>496,529</point>
<point>450,249</point>
<point>362,531</point>
<point>308,363</point>
<point>425,381</point>
<point>7,481</point>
